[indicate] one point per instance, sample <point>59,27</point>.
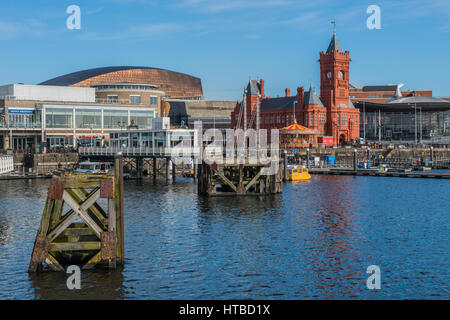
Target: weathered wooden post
<point>139,167</point>
<point>154,168</point>
<point>167,168</point>
<point>432,156</point>
<point>195,168</point>
<point>98,238</point>
<point>174,168</point>
<point>119,196</point>
<point>308,155</point>
<point>284,165</point>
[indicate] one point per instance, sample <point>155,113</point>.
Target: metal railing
<point>8,125</point>
<point>252,155</point>
<point>140,151</point>
<point>6,164</point>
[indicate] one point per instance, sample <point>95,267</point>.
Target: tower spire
<point>334,43</point>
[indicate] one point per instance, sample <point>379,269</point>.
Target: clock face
<point>329,74</point>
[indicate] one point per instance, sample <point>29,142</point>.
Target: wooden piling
<point>98,239</point>
<point>238,179</point>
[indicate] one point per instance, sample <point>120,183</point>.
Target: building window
<point>113,98</point>
<point>143,119</point>
<point>18,120</point>
<point>115,119</point>
<point>58,118</point>
<point>56,142</point>
<point>153,100</point>
<point>135,99</point>
<point>86,118</point>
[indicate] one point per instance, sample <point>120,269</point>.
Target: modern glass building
<point>40,118</point>
<point>66,125</point>
<point>411,119</point>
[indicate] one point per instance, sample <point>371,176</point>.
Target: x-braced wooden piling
<point>98,239</point>
<point>238,179</point>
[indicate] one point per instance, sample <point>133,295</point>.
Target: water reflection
<point>313,241</point>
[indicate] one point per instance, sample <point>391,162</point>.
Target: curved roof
<point>175,84</point>
<point>415,99</point>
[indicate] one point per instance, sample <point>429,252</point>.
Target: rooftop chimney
<point>300,97</point>
<point>287,92</point>
<point>261,84</point>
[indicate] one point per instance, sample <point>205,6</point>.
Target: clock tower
<point>334,92</point>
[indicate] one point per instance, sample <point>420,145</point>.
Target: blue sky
<point>226,42</point>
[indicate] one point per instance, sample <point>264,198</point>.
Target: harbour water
<point>313,241</point>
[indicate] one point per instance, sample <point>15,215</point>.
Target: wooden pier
<point>87,234</point>
<point>373,173</point>
<point>238,180</point>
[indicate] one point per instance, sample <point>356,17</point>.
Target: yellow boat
<point>298,174</point>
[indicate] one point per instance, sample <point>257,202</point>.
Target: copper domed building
<point>174,84</point>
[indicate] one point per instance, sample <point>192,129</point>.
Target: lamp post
<point>364,116</point>
<point>420,112</point>
<point>91,127</point>
<point>307,157</point>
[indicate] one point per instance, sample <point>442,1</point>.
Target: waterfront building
<point>34,118</point>
<point>382,93</point>
<point>175,85</point>
<point>331,114</point>
<point>406,119</point>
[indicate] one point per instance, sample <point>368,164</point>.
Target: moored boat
<point>298,174</point>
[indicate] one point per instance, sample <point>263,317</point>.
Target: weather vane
<point>333,22</point>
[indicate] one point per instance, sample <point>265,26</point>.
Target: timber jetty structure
<point>88,234</point>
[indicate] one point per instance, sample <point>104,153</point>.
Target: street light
<point>91,127</point>
<point>364,116</point>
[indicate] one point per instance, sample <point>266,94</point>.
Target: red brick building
<point>331,114</point>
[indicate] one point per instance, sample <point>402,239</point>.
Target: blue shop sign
<point>21,111</point>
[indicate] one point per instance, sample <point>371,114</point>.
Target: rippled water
<point>314,241</point>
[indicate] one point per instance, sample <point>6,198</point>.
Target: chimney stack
<point>261,85</point>
<point>300,97</point>
<point>287,91</point>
